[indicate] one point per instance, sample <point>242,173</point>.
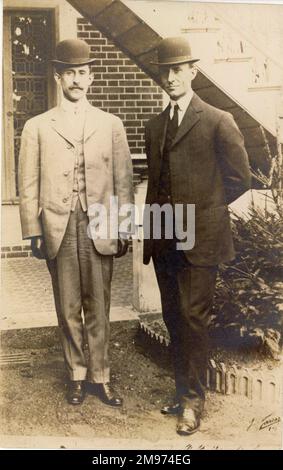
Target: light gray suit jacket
<point>46,171</point>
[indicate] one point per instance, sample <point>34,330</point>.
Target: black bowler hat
<point>173,51</point>
<point>72,52</point>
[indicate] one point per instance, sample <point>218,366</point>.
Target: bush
<point>249,292</point>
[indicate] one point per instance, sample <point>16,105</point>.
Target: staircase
<point>234,74</point>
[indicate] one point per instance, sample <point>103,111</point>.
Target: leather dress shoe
<point>188,422</point>
<point>173,409</point>
<point>76,392</point>
<point>106,393</point>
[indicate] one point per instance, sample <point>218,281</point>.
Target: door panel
<point>28,46</point>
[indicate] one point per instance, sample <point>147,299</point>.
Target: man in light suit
<point>73,158</point>
<point>196,155</point>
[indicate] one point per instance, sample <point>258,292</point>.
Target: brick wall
<point>20,251</point>
<point>120,87</point>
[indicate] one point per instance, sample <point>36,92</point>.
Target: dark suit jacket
<point>209,168</point>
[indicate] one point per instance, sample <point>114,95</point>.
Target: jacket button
<point>65,199</point>
<point>69,146</point>
<point>66,173</point>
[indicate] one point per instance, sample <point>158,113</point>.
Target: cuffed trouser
<point>81,280</point>
<point>186,296</point>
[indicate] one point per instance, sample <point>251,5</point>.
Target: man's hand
<point>38,247</point>
<point>122,247</point>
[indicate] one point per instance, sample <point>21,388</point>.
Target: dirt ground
<point>34,412</point>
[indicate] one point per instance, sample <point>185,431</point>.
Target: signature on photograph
<point>270,421</point>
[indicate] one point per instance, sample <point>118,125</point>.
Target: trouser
<point>186,296</point>
<point>81,280</point>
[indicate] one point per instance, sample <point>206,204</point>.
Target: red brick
<point>113,110</point>
<point>130,90</point>
<point>89,27</point>
<point>94,42</point>
<point>144,116</point>
<point>131,109</point>
<point>126,68</point>
<point>134,137</point>
<point>95,34</point>
<point>113,90</point>
<point>111,62</point>
<point>18,254</point>
<point>113,103</point>
<point>130,97</point>
<point>132,123</point>
<point>100,55</point>
<point>109,47</point>
<point>100,41</point>
<point>113,82</point>
<point>113,76</point>
<point>112,55</point>
<point>146,97</point>
<point>99,82</point>
<point>113,97</point>
<point>95,90</point>
<point>82,34</point>
<point>141,75</point>
<point>129,82</point>
<point>83,21</point>
<point>17,248</point>
<point>95,49</point>
<point>146,89</point>
<point>147,103</point>
<point>6,248</point>
<point>101,96</point>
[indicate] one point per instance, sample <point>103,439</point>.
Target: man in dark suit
<point>196,156</point>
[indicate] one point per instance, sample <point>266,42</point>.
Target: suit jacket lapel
<point>59,123</point>
<point>190,118</point>
<point>163,123</point>
<point>91,122</point>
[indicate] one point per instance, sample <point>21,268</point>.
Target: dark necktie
<point>174,121</point>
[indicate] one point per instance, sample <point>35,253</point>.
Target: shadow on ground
<point>33,397</point>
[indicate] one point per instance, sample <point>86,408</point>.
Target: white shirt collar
<point>183,102</point>
<point>74,107</point>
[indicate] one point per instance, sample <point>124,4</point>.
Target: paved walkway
<point>27,299</point>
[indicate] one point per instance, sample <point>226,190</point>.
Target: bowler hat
<point>72,52</point>
<point>173,51</point>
